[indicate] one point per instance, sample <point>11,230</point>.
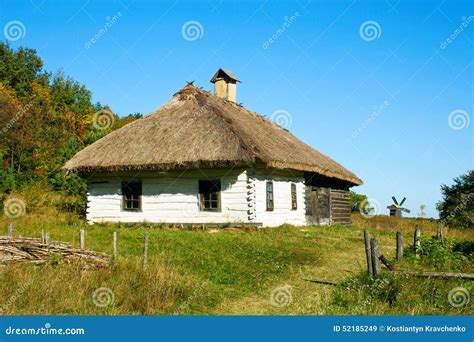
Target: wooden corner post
<point>416,241</point>
<point>374,251</point>
<point>399,246</point>
<point>367,252</point>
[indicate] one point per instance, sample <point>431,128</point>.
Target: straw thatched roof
<point>197,129</point>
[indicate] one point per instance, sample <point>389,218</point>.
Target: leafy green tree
<point>19,69</point>
<point>358,200</point>
<point>44,120</point>
<point>456,209</point>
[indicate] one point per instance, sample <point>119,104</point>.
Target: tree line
<point>45,119</point>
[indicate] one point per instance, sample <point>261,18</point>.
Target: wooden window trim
<point>202,206</point>
<point>294,196</point>
<point>272,207</point>
<point>124,197</point>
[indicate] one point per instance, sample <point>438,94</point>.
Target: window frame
<point>294,196</point>
<point>202,194</point>
<point>139,195</point>
<point>267,197</point>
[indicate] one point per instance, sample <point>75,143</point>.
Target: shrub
<point>434,254</point>
<point>457,207</point>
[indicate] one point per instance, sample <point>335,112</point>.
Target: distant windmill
<point>396,208</point>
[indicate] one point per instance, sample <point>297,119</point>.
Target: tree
<point>456,209</point>
<point>422,213</point>
<point>44,120</point>
<point>358,200</point>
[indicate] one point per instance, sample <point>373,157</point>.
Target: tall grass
<point>225,271</point>
<point>406,225</point>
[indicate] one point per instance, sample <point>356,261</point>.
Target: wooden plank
<point>468,276</point>
<point>340,211</point>
<point>340,202</point>
<point>345,206</point>
<point>384,261</point>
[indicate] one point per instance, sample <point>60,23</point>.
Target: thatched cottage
<point>204,159</point>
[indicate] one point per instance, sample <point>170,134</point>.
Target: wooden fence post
<point>374,251</point>
<point>83,239</point>
<point>367,252</point>
<point>43,237</point>
<point>399,246</point>
<point>115,244</point>
<point>416,242</point>
<point>440,234</point>
<point>145,252</point>
<point>10,229</point>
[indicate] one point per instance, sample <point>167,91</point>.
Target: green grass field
<point>230,271</point>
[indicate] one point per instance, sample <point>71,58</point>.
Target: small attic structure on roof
<point>225,84</point>
<point>201,158</point>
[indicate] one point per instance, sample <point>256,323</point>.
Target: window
<point>294,204</point>
<point>269,196</point>
<point>210,195</point>
<point>132,196</point>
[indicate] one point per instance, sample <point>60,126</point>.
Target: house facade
<point>203,159</point>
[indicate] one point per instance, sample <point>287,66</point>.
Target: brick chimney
<point>225,84</point>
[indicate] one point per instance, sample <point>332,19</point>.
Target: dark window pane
<point>131,192</point>
<point>209,192</point>
<point>269,196</point>
<point>293,197</point>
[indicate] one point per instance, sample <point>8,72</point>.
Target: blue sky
<point>376,85</point>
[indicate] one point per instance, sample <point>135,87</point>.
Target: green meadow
<point>285,270</point>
